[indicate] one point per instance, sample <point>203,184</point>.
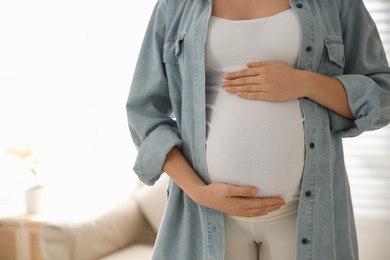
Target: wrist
<point>196,192</point>
<point>326,91</point>
<point>304,81</point>
<point>181,172</point>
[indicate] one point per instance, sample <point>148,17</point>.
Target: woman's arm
<point>230,199</point>
<point>276,81</point>
<point>365,85</point>
<point>148,105</point>
<point>326,91</point>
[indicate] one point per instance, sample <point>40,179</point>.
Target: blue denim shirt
<point>166,108</point>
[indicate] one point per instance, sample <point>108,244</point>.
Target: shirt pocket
<point>174,49</point>
<point>332,60</point>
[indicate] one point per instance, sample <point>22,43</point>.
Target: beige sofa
<point>125,233</point>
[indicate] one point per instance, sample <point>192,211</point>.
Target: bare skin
<point>263,80</point>
<point>229,199</point>
<point>248,9</point>
<point>275,81</point>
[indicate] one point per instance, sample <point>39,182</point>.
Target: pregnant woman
<point>244,103</point>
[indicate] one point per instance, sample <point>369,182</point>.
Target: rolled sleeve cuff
<point>153,152</point>
<point>363,99</point>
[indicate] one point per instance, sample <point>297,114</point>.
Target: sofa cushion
<point>152,200</point>
<point>135,252</point>
<point>93,238</point>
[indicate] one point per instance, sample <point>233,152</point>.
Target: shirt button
<point>299,5</point>
<point>312,145</point>
<point>308,193</point>
<point>305,241</point>
<point>309,48</point>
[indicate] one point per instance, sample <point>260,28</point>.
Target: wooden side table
<point>19,233</point>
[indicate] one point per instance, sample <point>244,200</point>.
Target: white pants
<point>277,237</point>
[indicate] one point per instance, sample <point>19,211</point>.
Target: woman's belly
<point>255,143</point>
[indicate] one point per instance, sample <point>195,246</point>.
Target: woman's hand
<point>230,199</point>
<point>236,200</point>
<point>268,81</point>
<point>275,81</point>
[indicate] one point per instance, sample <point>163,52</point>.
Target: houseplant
<point>33,194</point>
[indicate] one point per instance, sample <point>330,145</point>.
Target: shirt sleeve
<point>366,78</point>
<point>149,110</point>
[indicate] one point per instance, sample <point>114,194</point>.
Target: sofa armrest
<point>94,238</point>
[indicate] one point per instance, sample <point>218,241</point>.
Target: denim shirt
<point>166,108</point>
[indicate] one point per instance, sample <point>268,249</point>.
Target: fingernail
<point>226,76</point>
<point>254,191</point>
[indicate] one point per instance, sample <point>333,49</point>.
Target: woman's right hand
<point>236,200</point>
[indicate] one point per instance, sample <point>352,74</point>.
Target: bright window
<point>368,156</point>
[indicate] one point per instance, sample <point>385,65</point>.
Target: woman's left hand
<point>268,81</point>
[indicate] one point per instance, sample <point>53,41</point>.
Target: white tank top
<point>253,142</point>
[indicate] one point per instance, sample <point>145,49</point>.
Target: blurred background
<point>65,73</point>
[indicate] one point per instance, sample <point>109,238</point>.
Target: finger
<point>260,64</point>
<point>240,82</point>
<point>262,211</point>
<point>241,74</point>
<point>245,88</point>
<point>245,206</point>
<point>252,203</point>
<point>245,209</point>
<point>253,95</point>
<point>242,191</point>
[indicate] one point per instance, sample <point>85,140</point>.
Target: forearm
<point>326,91</point>
<point>177,167</point>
